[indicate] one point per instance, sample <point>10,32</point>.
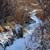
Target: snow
<point>31,27</point>
<point>1,48</point>
<point>34,17</point>
<point>4,37</point>
<point>21,43</point>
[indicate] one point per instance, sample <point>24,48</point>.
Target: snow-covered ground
<point>29,41</point>
<point>19,44</point>
<point>25,43</point>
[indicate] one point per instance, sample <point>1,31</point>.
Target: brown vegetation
<point>18,9</point>
<point>1,29</point>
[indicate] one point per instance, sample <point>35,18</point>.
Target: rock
<point>18,30</point>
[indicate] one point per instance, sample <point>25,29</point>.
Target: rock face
<point>7,8</point>
<point>17,9</point>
